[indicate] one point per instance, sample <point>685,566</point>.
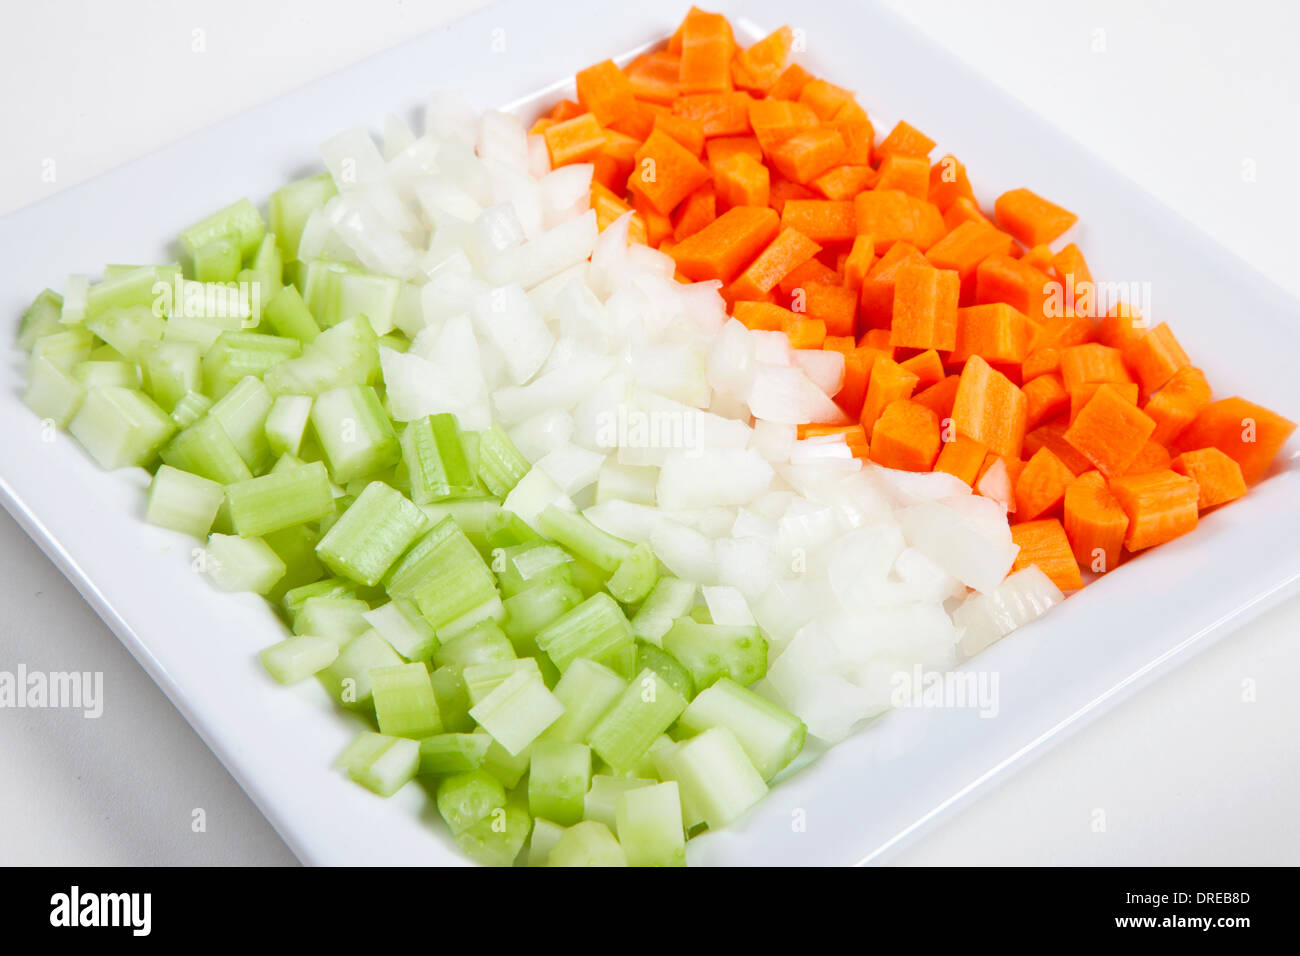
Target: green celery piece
<point>372,534</point>
<point>242,564</point>
<point>297,658</point>
<point>505,529</point>
<point>586,690</point>
<point>289,316</point>
<point>354,433</point>
<point>341,617</point>
<point>635,576</point>
<point>714,776</point>
<point>52,392</point>
<point>240,222</point>
<point>466,798</point>
<point>348,679</point>
<point>534,609</point>
<point>182,502</point>
<point>770,736</point>
<point>582,537</point>
<point>293,600</point>
<point>711,651</point>
<point>267,269</point>
<point>596,629</point>
<point>601,802</point>
<point>75,292</point>
<point>64,349</point>
<point>443,754</point>
<point>380,763</point>
<point>172,371</point>
<point>517,711</point>
<point>41,318</point>
<point>481,644</point>
<point>128,290</point>
<point>93,373</point>
<point>446,577</point>
<point>500,463</point>
<point>236,355</point>
<point>590,843</point>
<point>346,354</point>
<point>544,837</point>
<point>296,547</point>
<point>205,449</point>
<point>699,614</point>
<point>120,427</point>
<point>644,710</point>
<point>134,331</point>
<point>588,578</point>
<point>280,499</point>
<point>334,291</point>
<point>533,564</point>
<point>497,839</point>
<point>435,460</point>
<point>558,776</point>
<point>291,205</point>
<point>286,423</point>
<point>666,666</point>
<point>506,767</point>
<point>650,826</point>
<point>400,624</point>
<point>482,679</point>
<point>405,705</point>
<point>453,699</point>
<point>242,413</point>
<point>190,409</point>
<point>217,260</point>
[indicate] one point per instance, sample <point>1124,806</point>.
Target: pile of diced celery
<point>555,687</point>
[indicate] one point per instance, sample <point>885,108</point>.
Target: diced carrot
<point>964,248</point>
<point>1153,457</point>
<point>1094,522</point>
<point>707,45</point>
<point>608,206</point>
<point>948,183</point>
<point>653,77</point>
<point>1161,506</point>
<point>858,134</point>
<point>911,174</point>
<point>1031,218</point>
<point>836,305</point>
<point>1045,544</point>
<point>809,273</point>
<point>695,212</point>
<point>1072,272</point>
<point>774,121</point>
<point>876,297</point>
<point>1062,330</point>
<point>1013,466</point>
<point>822,221</point>
<point>995,332</point>
<point>1045,397</point>
<point>962,210</point>
<point>877,339</point>
<point>719,148</point>
<point>1091,363</point>
<point>1083,394</point>
<point>857,372</point>
<point>615,162</point>
<point>1000,278</point>
<point>565,110</point>
<point>1249,434</point>
<point>1177,404</point>
<point>841,183</point>
<point>1218,478</point>
<point>1041,486</point>
<point>685,130</point>
<point>786,252</point>
<point>804,333</point>
<point>725,246</point>
<point>905,436</point>
<point>940,396</point>
<point>840,343</point>
<point>666,172</point>
<point>758,67</point>
<point>1041,361</point>
<point>823,98</point>
<point>962,457</point>
<point>888,382</point>
<point>604,92</point>
<point>891,215</point>
<point>1109,431</point>
<point>1040,257</point>
<point>762,316</point>
<point>1121,326</point>
<point>783,191</point>
<point>576,140</point>
<point>1051,434</point>
<point>541,125</point>
<point>809,153</point>
<point>1155,357</point>
<point>790,83</point>
<point>925,308</point>
<point>658,227</point>
<point>990,408</point>
<point>741,180</point>
<point>926,366</point>
<point>905,140</point>
<point>719,114</point>
<point>859,261</point>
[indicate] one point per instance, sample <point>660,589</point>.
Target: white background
<point>1199,105</point>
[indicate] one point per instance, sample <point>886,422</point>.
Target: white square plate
<point>865,797</point>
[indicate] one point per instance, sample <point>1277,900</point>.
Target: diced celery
<point>297,658</point>
<point>500,463</point>
<point>714,776</point>
<point>506,530</point>
<point>291,205</point>
<point>294,599</point>
<point>532,494</point>
<point>286,423</point>
<point>466,798</point>
<point>341,617</point>
<point>242,413</point>
<point>355,434</point>
<point>400,624</point>
<point>771,737</point>
<point>582,537</point>
<point>240,222</point>
<point>471,515</point>
<point>190,409</point>
<point>644,710</point>
<point>346,354</point>
<point>204,448</point>
<point>558,777</point>
<point>52,391</point>
<point>41,318</point>
<point>120,426</point>
<point>507,767</point>
<point>348,678</point>
<point>133,331</point>
<point>236,355</point>
<point>334,292</point>
<point>596,629</point>
<point>446,577</point>
<point>453,699</point>
<point>586,690</point>
<point>710,651</point>
<point>289,316</point>
<point>217,260</point>
<point>75,292</point>
<point>435,459</point>
<point>545,835</point>
<point>404,702</point>
<point>635,576</point>
<point>666,666</point>
<point>532,610</point>
<point>380,763</point>
<point>372,534</point>
<point>481,644</point>
<point>588,578</point>
<point>497,839</point>
<point>127,290</point>
<point>590,843</point>
<point>183,502</point>
<point>64,349</point>
<point>517,711</point>
<point>94,373</point>
<point>644,768</point>
<point>670,599</point>
<point>533,564</point>
<point>443,754</point>
<point>296,547</point>
<point>482,679</point>
<point>650,826</point>
<point>280,499</point>
<point>242,564</point>
<point>171,371</point>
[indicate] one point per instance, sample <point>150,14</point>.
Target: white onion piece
<point>540,435</point>
<point>727,606</point>
<point>959,545</point>
<point>1022,597</point>
<point>995,484</point>
<point>566,193</point>
<point>625,519</point>
<point>684,551</point>
<point>506,316</point>
<point>397,136</point>
<point>785,395</point>
<point>534,492</point>
<point>711,477</point>
<point>626,483</point>
<point>503,139</point>
<point>352,158</point>
<point>824,368</point>
<point>572,467</point>
<point>449,114</point>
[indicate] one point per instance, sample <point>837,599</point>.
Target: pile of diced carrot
<point>970,346</point>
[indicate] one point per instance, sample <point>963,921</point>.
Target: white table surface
<point>1197,106</point>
